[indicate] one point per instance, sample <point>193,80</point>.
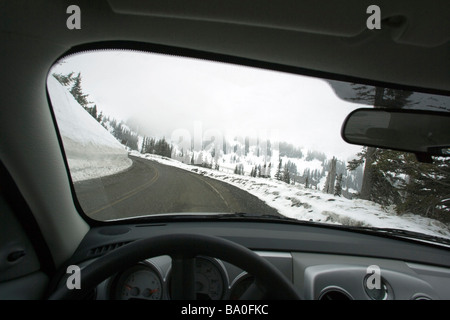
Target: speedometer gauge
<point>209,280</point>
<point>139,282</point>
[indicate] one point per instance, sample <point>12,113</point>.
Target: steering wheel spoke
<point>254,292</point>
<point>182,282</point>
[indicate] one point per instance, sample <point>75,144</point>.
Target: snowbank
<point>91,150</point>
<point>298,202</point>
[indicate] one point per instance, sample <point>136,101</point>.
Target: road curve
<point>149,187</point>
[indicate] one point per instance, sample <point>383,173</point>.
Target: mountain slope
<point>91,150</point>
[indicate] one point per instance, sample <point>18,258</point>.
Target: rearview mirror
<point>420,132</point>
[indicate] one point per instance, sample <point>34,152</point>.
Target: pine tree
<point>239,169</point>
<point>278,174</point>
<point>77,92</point>
<point>382,175</point>
<point>426,189</point>
<point>338,187</point>
<point>65,80</point>
<point>286,175</point>
<point>100,117</point>
<point>93,112</point>
<point>144,145</point>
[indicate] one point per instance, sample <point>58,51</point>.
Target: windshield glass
<point>146,134</point>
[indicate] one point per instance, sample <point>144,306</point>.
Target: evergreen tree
<point>338,187</point>
<point>239,169</point>
<point>65,80</point>
<point>93,111</point>
<point>163,148</point>
<point>278,174</point>
<point>77,92</point>
<point>286,175</point>
<point>263,172</point>
<point>100,117</point>
<point>425,190</point>
<point>380,175</point>
<point>144,145</point>
<point>387,177</point>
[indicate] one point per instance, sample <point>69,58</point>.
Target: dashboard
<point>322,263</point>
<point>214,279</point>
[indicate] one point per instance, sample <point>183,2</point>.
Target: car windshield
<point>148,134</point>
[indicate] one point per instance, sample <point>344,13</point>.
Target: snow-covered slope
<point>91,150</point>
<point>298,202</point>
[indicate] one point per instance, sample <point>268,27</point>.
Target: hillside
<point>90,149</point>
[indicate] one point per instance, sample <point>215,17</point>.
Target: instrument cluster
<point>150,280</point>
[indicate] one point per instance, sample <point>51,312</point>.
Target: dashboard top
<point>271,236</point>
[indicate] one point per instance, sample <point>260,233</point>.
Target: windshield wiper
<point>215,216</point>
<point>269,218</point>
<point>249,216</point>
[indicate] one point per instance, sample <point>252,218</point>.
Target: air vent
<point>106,248</point>
<point>334,294</point>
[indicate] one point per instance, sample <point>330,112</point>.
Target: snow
<point>298,202</point>
<point>91,150</point>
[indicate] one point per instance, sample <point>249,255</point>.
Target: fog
<point>163,95</point>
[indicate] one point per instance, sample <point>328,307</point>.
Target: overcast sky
<point>167,94</point>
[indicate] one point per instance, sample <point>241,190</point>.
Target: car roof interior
<point>323,38</point>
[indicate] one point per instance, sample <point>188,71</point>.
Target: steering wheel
<point>269,282</point>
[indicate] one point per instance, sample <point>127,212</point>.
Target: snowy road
<point>149,187</point>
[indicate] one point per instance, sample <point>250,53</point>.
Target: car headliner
<point>411,49</point>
